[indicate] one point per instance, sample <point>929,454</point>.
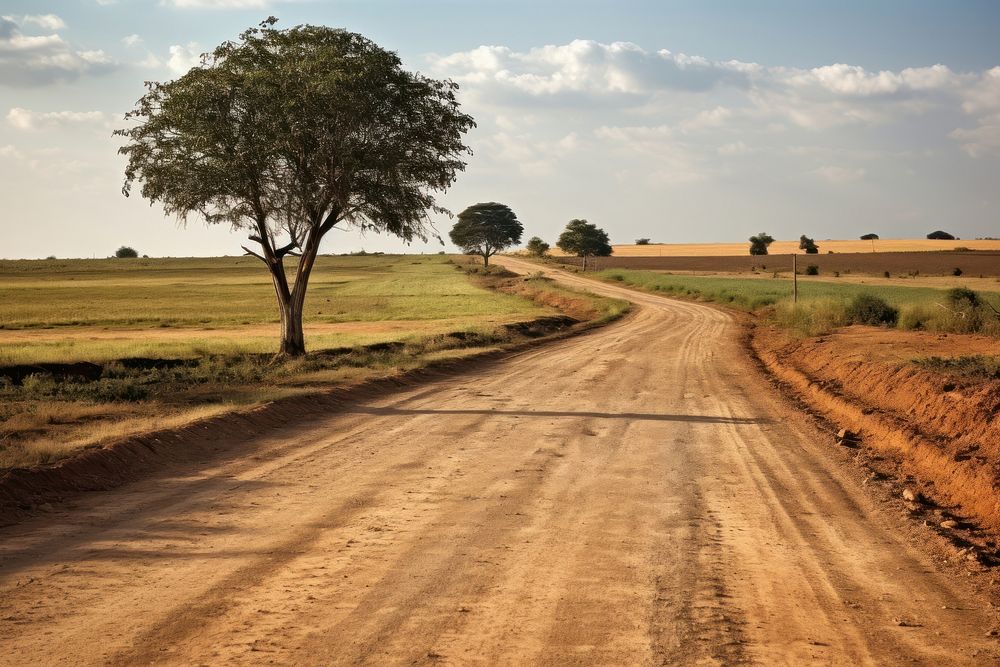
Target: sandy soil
<point>632,496</point>
<point>940,427</point>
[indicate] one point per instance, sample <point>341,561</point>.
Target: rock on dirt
<point>949,523</point>
<point>846,438</point>
<point>913,496</point>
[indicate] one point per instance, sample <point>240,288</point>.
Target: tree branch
<point>330,221</point>
<point>251,252</point>
<point>287,249</point>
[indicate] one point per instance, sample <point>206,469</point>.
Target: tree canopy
<point>286,134</point>
<point>808,244</point>
<point>759,243</point>
<point>584,239</point>
<point>536,247</point>
<point>484,229</point>
<point>869,237</point>
<point>941,236</point>
<point>126,252</point>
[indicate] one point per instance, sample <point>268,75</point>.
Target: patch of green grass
<point>233,291</point>
<point>822,305</point>
<point>603,308</point>
<point>753,294</point>
<point>165,307</point>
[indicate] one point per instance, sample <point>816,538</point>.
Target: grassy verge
<point>49,412</point>
<point>825,305</point>
<point>584,306</point>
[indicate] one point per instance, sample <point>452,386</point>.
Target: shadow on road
<point>633,416</point>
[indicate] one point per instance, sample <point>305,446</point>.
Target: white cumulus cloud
<point>45,21</point>
<point>589,75</point>
<point>25,119</point>
<point>183,57</point>
<point>32,60</point>
<point>587,67</point>
<point>982,140</point>
<point>852,80</point>
<point>984,94</point>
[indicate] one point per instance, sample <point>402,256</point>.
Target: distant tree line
<point>487,228</point>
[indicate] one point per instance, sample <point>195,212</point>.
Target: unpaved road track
<point>632,496</point>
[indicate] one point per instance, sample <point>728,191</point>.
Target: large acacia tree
<point>485,229</point>
<point>288,134</point>
<point>584,239</point>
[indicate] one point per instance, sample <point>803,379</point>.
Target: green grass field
<point>753,294</point>
<point>96,310</point>
<point>216,318</point>
<point>231,291</point>
<point>822,303</point>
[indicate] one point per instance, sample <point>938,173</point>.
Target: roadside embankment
<point>940,423</point>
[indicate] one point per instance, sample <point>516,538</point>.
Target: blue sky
<point>680,121</point>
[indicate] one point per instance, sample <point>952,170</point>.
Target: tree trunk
<point>585,263</point>
<point>486,260</point>
<point>292,335</point>
<point>291,298</point>
<point>293,342</point>
<point>292,338</point>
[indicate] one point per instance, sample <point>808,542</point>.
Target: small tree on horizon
<point>126,252</point>
<point>485,229</point>
<point>584,239</point>
<point>869,237</point>
<point>536,247</point>
<point>808,244</point>
<point>941,236</point>
<point>288,134</point>
<point>759,243</point>
<point>642,241</point>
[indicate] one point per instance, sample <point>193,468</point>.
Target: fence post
<point>795,278</point>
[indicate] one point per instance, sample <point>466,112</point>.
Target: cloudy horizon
<point>600,116</point>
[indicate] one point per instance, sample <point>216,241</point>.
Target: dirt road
<point>632,496</point>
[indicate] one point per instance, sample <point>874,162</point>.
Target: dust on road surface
<point>632,496</point>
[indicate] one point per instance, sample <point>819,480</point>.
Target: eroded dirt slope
<point>940,427</point>
<point>631,496</point>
